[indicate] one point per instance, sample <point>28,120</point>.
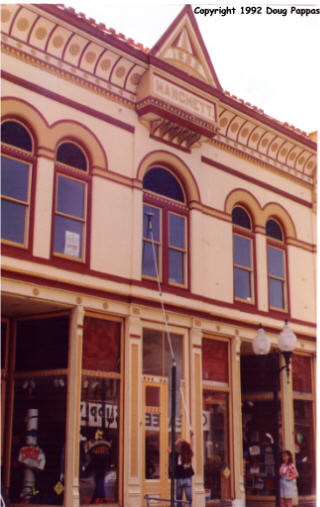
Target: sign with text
<point>183,99</point>
<point>92,414</point>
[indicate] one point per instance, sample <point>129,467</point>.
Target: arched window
<point>16,175</point>
<point>242,255</point>
<point>165,212</point>
<point>276,266</point>
<point>70,212</point>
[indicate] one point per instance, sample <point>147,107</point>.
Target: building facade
<point>122,165</point>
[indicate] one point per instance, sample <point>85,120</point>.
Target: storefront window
<point>100,411</point>
<point>304,423</point>
<point>257,383</point>
<point>215,372</point>
<point>258,433</point>
<point>39,412</point>
<point>216,444</point>
<point>304,446</point>
<point>38,440</point>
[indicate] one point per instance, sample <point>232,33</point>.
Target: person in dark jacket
<point>184,470</point>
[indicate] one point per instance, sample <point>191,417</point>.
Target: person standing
<point>288,474</point>
<point>184,470</point>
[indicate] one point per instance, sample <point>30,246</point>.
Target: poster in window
<point>72,244</point>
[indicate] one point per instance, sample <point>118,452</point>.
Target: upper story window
<point>242,255</point>
<point>276,266</point>
<point>165,210</point>
<point>16,175</point>
<point>70,205</point>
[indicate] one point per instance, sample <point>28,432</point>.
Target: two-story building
<point>123,167</point>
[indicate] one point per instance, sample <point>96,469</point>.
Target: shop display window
<point>258,431</point>
<point>216,444</point>
<point>215,360</point>
<point>100,412</point>
<point>301,374</point>
<point>38,439</point>
<point>39,411</point>
<point>304,446</point>
<point>157,354</point>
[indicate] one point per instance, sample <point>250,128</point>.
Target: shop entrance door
<point>155,437</point>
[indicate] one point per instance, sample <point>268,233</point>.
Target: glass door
<point>155,438</point>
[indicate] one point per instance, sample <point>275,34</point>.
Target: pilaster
<point>239,489</point>
<point>196,411</point>
<point>43,207</point>
<point>133,410</point>
<point>71,493</point>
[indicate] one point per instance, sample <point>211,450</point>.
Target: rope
<point>149,218</point>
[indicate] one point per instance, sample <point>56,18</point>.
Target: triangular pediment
<point>182,46</point>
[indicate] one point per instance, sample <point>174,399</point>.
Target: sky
<point>269,60</point>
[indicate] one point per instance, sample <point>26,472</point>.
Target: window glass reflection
<point>99,440</point>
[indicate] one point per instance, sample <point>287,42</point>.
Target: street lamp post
<point>287,341</point>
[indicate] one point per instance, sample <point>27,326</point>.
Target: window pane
<point>152,396</point>
<point>258,424</point>
<point>70,154</point>
<point>177,342</point>
<point>276,293</point>
<point>176,267</point>
<point>301,374</point>
<point>152,424</point>
<point>163,182</point>
<point>214,360</point>
<point>42,344</point>
<point>13,221</point>
<point>152,352</point>
<point>242,287</point>
<point>155,222</point>
<point>275,262</point>
<point>241,251</point>
<point>148,267</point>
<point>39,422</point>
<point>304,446</point>
<point>176,230</point>
<point>101,345</point>
<point>68,236</point>
<point>216,445</point>
<point>15,134</point>
<point>273,230</point>
<point>70,197</point>
<point>240,217</point>
<point>14,178</point>
<point>99,440</point>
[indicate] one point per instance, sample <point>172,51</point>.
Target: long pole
<point>276,446</point>
<point>173,430</point>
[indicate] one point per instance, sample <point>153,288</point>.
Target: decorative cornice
<point>308,181</point>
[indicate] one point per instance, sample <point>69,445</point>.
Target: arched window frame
<point>274,247</point>
<point>248,238</point>
<point>165,209</point>
<point>25,159</point>
<point>66,174</point>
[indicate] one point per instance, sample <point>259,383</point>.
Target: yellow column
<point>239,490</point>
<point>133,411</point>
<point>195,383</point>
<point>71,493</point>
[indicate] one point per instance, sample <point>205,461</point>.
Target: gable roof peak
<point>182,46</point>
